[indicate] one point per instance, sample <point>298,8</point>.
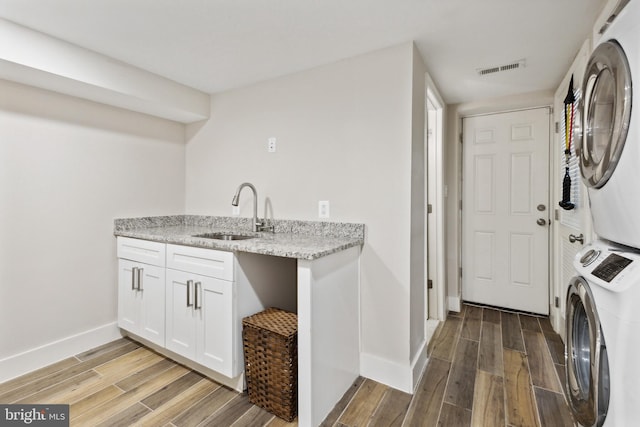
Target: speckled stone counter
<point>292,239</point>
<point>327,291</point>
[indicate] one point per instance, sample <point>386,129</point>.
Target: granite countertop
<point>292,239</point>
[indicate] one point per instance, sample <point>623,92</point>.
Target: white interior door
<point>505,255</point>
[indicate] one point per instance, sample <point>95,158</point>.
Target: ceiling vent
<point>491,70</point>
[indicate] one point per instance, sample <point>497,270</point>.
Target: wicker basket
<point>271,361</point>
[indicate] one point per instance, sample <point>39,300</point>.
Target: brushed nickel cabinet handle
<point>198,304</point>
<point>189,285</point>
<point>140,277</point>
<point>133,278</point>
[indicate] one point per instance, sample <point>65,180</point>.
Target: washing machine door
<point>587,373</point>
<point>606,112</point>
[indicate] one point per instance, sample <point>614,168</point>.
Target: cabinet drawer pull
<point>198,299</point>
<point>189,285</point>
<point>140,277</point>
<point>133,278</point>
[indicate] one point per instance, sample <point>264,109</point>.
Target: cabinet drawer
<point>207,262</point>
<point>152,253</point>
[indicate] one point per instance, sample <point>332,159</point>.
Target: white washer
<point>602,340</point>
<point>609,148</point>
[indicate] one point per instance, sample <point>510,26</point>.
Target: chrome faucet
<point>257,225</point>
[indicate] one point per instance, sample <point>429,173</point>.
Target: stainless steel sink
<point>224,236</point>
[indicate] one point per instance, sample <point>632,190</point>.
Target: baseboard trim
<point>454,304</point>
<point>47,354</point>
<point>387,372</point>
<point>418,365</point>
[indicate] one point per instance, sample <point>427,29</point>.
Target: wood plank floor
<point>125,384</point>
<point>486,368</point>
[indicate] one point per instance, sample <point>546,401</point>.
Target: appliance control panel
<point>610,266</point>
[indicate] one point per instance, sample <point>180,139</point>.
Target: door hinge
<point>460,271</point>
<point>429,208</point>
<point>460,137</point>
<point>557,302</point>
<point>460,204</point>
<point>557,127</point>
<point>429,284</point>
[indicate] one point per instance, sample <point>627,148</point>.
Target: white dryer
<point>602,340</point>
<point>609,150</point>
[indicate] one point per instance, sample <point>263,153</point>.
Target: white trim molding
<point>47,354</point>
<point>387,372</point>
<point>454,304</point>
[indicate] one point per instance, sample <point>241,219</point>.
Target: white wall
<point>344,134</point>
<point>351,132</point>
<point>68,167</point>
<point>417,296</point>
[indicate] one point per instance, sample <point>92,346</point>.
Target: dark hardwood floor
<point>486,368</point>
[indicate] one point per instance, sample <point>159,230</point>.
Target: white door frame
<point>435,248</point>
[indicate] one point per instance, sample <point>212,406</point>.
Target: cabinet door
<point>215,331</point>
<point>129,299</point>
<point>152,312</point>
<point>141,300</point>
<point>181,319</point>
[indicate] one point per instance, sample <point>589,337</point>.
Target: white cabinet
<point>190,301</point>
<point>200,308</point>
<point>141,288</point>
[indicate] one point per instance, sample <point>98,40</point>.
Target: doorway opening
<point>434,213</point>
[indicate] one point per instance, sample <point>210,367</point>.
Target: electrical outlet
<point>323,209</point>
<point>271,145</point>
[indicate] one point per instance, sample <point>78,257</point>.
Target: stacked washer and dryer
<point>602,341</point>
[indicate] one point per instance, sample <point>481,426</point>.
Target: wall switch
<point>323,209</point>
<point>235,210</point>
<point>271,145</point>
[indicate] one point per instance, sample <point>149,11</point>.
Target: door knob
<point>573,238</point>
<point>541,221</point>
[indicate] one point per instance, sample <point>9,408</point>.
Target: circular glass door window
<point>606,112</point>
<point>587,363</point>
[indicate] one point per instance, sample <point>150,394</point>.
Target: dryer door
<point>586,357</point>
<point>606,112</point>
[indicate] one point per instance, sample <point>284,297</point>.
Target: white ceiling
<point>215,45</point>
